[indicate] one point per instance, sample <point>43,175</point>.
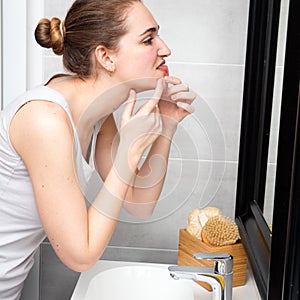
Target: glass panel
<point>1,96</point>
<point>271,170</point>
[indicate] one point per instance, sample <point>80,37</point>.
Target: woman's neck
<point>89,99</point>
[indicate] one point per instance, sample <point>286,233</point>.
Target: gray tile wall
<point>208,42</point>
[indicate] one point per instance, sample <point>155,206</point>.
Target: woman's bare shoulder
<point>39,123</point>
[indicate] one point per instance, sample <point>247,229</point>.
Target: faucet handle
<point>223,262</point>
<point>212,256</point>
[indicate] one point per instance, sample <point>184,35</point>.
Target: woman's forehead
<point>140,20</point>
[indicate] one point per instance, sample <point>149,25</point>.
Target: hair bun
<point>48,35</point>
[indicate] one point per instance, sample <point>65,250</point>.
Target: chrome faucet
<point>219,277</point>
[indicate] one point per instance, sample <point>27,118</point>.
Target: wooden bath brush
<point>220,231</point>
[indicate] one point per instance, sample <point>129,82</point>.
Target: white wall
<point>22,58</point>
<point>14,49</point>
<point>34,53</point>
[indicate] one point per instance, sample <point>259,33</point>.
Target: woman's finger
<point>157,115</point>
<point>153,102</point>
<point>172,80</point>
<point>185,96</point>
<point>187,107</point>
<point>174,89</point>
<point>129,107</point>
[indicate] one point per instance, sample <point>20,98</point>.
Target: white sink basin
<point>138,282</point>
<point>112,280</point>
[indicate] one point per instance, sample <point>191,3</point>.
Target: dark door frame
<point>274,257</point>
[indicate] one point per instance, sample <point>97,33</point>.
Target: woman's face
<point>141,51</point>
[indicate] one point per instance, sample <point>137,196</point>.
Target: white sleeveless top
<point>21,231</point>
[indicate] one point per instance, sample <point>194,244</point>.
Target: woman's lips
<point>164,68</point>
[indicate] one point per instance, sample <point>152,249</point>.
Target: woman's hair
<point>88,23</point>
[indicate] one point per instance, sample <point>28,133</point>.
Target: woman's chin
<point>144,84</point>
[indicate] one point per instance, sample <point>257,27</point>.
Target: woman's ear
<point>105,58</point>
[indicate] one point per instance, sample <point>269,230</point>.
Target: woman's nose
<point>163,49</point>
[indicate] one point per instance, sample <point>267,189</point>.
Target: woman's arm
<point>174,106</point>
<point>107,144</point>
<point>147,185</point>
<point>148,181</point>
<point>42,135</point>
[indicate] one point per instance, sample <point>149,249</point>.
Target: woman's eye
<point>148,41</point>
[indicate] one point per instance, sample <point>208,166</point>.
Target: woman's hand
<point>176,101</point>
<point>139,130</point>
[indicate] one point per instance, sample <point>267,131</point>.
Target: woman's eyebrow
<point>152,29</point>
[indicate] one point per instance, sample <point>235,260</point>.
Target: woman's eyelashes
<point>148,41</point>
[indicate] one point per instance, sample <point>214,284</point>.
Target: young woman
<point>53,137</point>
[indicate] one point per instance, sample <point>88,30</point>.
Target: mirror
<point>1,96</point>
<point>274,131</point>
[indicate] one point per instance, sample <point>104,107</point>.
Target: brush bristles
<point>220,231</point>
